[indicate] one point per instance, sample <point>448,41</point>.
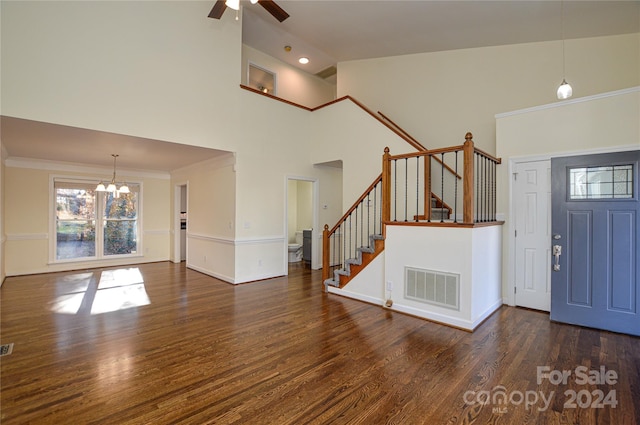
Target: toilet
<point>295,249</point>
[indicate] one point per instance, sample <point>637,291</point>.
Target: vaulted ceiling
<point>328,32</point>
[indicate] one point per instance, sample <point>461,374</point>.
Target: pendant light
<point>564,91</point>
<point>112,185</point>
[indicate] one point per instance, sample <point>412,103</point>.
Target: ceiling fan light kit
<point>269,5</point>
<point>233,4</point>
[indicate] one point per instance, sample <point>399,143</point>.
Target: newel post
<point>325,253</point>
<point>467,206</point>
<point>427,187</point>
<point>386,189</point>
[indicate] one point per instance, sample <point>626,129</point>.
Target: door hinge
<point>515,176</point>
<point>515,289</point>
<point>515,233</point>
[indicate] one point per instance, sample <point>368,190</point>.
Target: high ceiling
<point>329,31</point>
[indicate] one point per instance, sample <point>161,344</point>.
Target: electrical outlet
<point>205,258</point>
<point>259,263</point>
<point>389,285</point>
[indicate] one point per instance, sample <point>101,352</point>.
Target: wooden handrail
<point>355,204</point>
<point>357,103</point>
<point>387,122</point>
<point>431,152</point>
<point>484,217</point>
<point>488,156</point>
<point>403,131</point>
<point>446,167</point>
<point>270,96</point>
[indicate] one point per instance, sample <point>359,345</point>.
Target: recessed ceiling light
<point>303,60</point>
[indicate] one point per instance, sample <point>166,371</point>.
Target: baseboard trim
<point>225,278</point>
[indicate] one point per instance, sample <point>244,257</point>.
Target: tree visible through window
<point>92,224</point>
<point>120,224</point>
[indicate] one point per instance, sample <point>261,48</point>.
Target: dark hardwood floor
<point>161,344</point>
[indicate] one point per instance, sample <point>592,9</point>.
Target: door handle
<point>557,251</point>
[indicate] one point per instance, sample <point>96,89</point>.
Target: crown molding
<point>42,164</point>
<point>569,102</point>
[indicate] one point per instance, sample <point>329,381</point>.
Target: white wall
<point>165,71</point>
<point>211,215</point>
<point>607,122</point>
<point>472,253</point>
<point>438,97</point>
<point>161,70</point>
<point>291,83</point>
<point>344,131</point>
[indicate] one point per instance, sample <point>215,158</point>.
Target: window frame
<point>100,221</point>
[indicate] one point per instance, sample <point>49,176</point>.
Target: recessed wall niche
<point>262,79</point>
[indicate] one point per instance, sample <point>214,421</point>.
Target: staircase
<point>413,190</point>
<point>353,266</point>
<point>367,253</point>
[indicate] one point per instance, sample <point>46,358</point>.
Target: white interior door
<point>532,208</point>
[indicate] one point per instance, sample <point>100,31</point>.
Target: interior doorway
<point>301,222</point>
<point>180,222</point>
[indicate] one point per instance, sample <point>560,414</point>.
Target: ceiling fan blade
<point>274,9</point>
<point>218,9</point>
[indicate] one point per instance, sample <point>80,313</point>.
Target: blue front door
<point>595,217</point>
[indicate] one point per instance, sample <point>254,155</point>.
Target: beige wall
<point>578,126</point>
<point>438,97</point>
<point>28,214</point>
<point>292,209</point>
<point>211,193</point>
<point>299,207</point>
<point>304,211</point>
<point>2,235</point>
<point>291,83</point>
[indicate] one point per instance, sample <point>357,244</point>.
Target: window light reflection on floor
<point>116,290</point>
<point>70,291</point>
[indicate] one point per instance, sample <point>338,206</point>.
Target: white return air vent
<point>432,287</point>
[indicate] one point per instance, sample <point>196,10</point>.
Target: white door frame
<point>316,261</point>
<point>513,161</point>
<point>177,188</point>
<point>514,212</point>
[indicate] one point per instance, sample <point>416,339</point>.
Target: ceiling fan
<point>269,5</point>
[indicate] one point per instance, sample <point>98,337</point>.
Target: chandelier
<point>112,185</point>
